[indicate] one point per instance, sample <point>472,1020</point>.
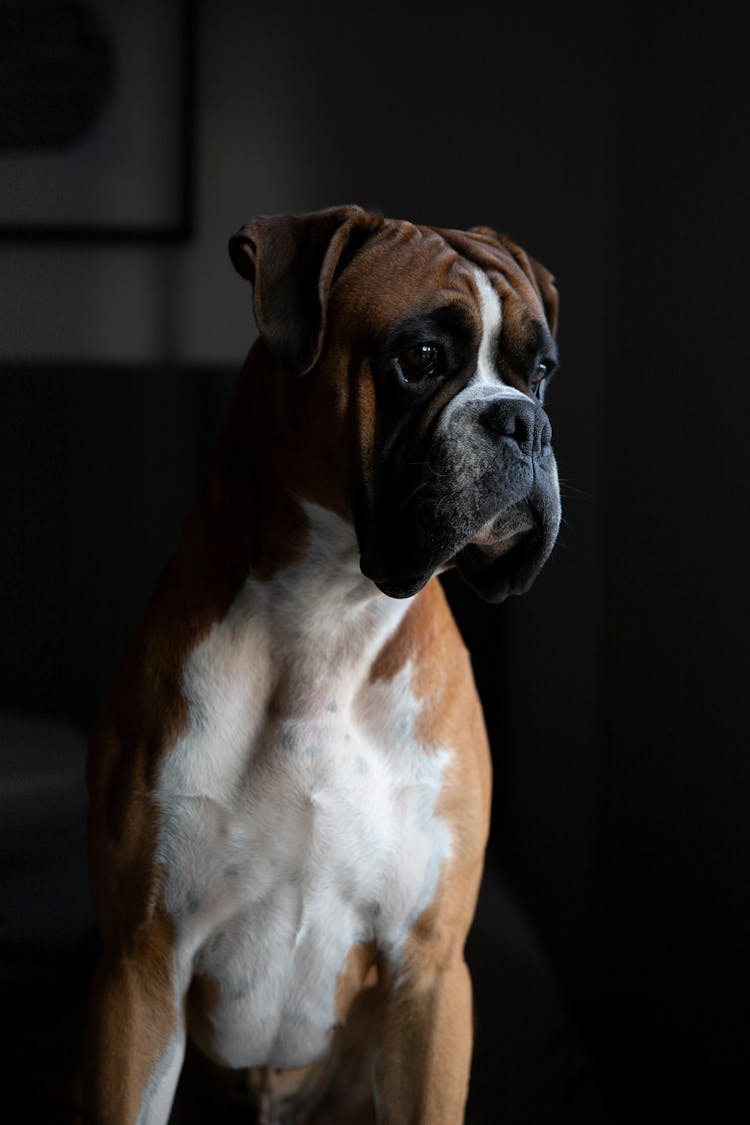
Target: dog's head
<point>431,350</point>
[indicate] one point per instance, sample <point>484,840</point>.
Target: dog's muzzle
<point>506,554</point>
<point>484,498</point>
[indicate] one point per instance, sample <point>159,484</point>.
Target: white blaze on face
<point>486,382</point>
<point>492,315</point>
<point>491,312</point>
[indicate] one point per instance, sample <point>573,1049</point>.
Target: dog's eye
<point>420,361</point>
<point>544,369</point>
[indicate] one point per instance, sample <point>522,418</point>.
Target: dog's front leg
<point>135,1037</point>
<point>422,1069</point>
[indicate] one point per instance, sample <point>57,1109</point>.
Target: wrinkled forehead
<point>408,270</point>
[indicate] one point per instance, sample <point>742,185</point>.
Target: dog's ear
<point>291,262</point>
<point>540,277</point>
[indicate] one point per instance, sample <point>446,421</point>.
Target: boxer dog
<point>290,781</point>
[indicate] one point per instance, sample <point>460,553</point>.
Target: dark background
<point>610,954</point>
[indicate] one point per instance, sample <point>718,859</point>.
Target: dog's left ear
<point>538,274</point>
<point>291,262</point>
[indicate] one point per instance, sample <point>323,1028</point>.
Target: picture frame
<point>97,144</point>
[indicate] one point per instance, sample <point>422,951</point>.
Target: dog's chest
<point>287,840</point>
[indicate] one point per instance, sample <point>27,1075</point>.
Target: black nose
<point>520,419</point>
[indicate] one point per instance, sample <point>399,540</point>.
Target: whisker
<point>567,489</point>
<point>412,494</point>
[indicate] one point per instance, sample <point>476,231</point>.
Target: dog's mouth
<point>405,586</point>
<point>495,576</point>
<point>504,557</point>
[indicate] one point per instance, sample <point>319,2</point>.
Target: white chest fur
<point>291,831</point>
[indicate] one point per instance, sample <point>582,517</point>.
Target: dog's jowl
<point>290,780</point>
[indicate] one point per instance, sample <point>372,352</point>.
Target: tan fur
<point>132,989</point>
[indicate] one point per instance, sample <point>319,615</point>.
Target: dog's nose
<point>521,419</point>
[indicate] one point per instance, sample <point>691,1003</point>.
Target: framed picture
<point>95,135</point>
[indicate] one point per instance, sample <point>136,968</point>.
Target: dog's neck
<point>272,551</point>
<point>312,629</point>
<point>275,563</point>
<point>322,621</point>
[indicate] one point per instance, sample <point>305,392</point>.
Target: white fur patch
<point>291,832</point>
<point>492,315</point>
<point>486,382</point>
